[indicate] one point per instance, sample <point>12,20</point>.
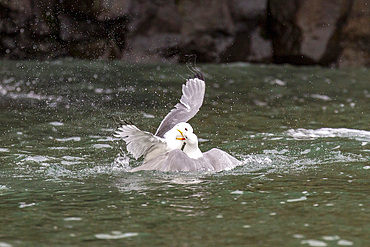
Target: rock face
<point>307,32</point>
<point>324,32</point>
<point>355,41</point>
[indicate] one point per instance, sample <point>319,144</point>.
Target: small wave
<point>321,97</point>
<point>101,146</point>
<point>116,235</point>
<point>3,187</point>
<point>311,134</point>
<point>37,158</point>
<point>75,138</point>
<point>56,123</point>
<point>122,162</point>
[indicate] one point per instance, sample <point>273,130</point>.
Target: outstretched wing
<point>190,102</point>
<point>140,143</point>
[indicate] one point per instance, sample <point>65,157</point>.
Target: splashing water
<point>304,144</point>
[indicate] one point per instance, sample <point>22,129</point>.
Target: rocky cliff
<point>304,32</point>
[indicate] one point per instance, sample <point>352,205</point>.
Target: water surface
<point>302,133</point>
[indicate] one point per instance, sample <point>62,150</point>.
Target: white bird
<point>169,135</point>
<point>141,143</point>
<point>191,159</point>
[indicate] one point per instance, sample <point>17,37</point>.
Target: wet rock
<point>307,32</point>
<point>23,7</point>
<point>76,29</point>
<point>208,29</point>
<point>153,30</point>
<point>320,24</point>
<point>101,10</point>
<point>96,49</point>
<point>111,10</point>
<point>355,37</point>
<point>251,42</point>
<point>284,31</point>
<point>325,32</point>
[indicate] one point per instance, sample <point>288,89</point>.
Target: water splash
<point>312,134</point>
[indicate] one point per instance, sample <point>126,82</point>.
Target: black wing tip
<point>120,121</point>
<point>125,122</point>
<point>199,75</point>
<point>128,122</point>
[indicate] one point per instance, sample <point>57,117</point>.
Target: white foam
<point>75,138</point>
<point>313,242</point>
<point>58,148</point>
<point>360,135</point>
<point>3,187</point>
<point>56,123</point>
<point>24,205</point>
<point>116,235</point>
<point>4,244</point>
<point>344,242</point>
<point>321,97</point>
<point>67,157</point>
<point>278,82</point>
<point>100,146</point>
<point>72,219</point>
<point>237,192</point>
<point>106,139</point>
<point>303,198</point>
<point>331,238</point>
<point>37,158</point>
<point>147,115</point>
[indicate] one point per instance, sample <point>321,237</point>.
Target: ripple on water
<point>3,187</point>
<point>303,198</point>
<point>331,238</point>
<point>74,138</point>
<point>25,205</point>
<point>116,235</point>
<point>56,123</point>
<point>37,158</point>
<point>4,244</point>
<point>101,146</point>
<point>344,242</point>
<point>72,219</point>
<point>314,242</point>
<point>360,135</point>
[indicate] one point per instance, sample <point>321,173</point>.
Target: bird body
<point>178,161</point>
<point>162,151</point>
<point>169,133</point>
<point>191,159</point>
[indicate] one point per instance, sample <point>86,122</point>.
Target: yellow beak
<point>180,138</point>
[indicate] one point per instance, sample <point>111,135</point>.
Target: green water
<point>302,133</point>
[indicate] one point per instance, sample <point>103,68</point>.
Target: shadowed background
<point>324,32</point>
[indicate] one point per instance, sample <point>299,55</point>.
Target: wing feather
<point>190,102</point>
<point>140,143</point>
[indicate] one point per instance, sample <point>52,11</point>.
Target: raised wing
<point>140,143</point>
<point>190,102</point>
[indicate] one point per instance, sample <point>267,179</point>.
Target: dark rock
<point>325,32</point>
<point>154,29</point>
<point>112,10</point>
<point>23,7</point>
<point>101,10</point>
<point>307,32</point>
<point>355,37</point>
<point>208,29</point>
<point>250,42</point>
<point>95,49</point>
<point>74,29</point>
<point>283,30</point>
